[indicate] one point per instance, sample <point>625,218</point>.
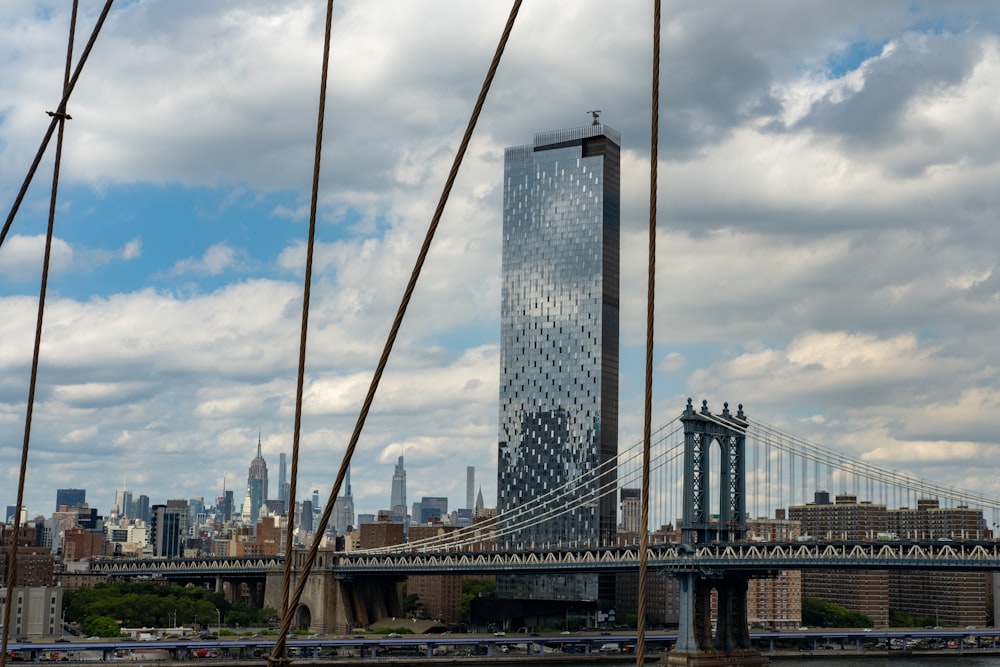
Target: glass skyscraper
<point>559,350</point>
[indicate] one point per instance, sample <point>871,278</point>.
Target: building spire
<point>258,446</point>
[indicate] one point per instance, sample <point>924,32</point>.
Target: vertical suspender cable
<point>59,118</point>
<point>286,613</point>
<point>279,645</point>
<point>640,643</point>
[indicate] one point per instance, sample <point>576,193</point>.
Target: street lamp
<point>218,627</point>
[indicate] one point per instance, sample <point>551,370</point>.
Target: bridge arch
<point>303,617</point>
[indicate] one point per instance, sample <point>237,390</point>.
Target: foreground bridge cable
<point>59,118</point>
<point>277,655</point>
<point>56,115</point>
<point>640,642</point>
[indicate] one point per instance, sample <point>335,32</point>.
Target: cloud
<point>826,249</point>
<point>21,257</point>
<point>217,259</point>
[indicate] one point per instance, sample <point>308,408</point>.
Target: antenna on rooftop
<point>596,113</point>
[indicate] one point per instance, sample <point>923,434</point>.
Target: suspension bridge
<point>707,537</point>
<point>706,502</point>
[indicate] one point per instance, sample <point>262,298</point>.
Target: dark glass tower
<point>559,349</point>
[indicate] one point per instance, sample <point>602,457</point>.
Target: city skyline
<point>836,174</point>
<point>126,495</point>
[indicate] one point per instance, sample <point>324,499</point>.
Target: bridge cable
<point>56,115</point>
<point>279,645</point>
<point>59,118</point>
<point>898,482</point>
<point>278,653</point>
<point>557,502</point>
<point>640,643</point>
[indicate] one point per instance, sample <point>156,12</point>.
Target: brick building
<point>953,598</point>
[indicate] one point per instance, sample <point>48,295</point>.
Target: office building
<point>283,485</point>
<point>433,507</point>
<point>168,529</point>
<point>631,506</point>
<point>140,509</point>
<point>951,598</point>
<point>36,611</point>
<point>470,487</point>
<point>123,504</point>
<point>343,508</point>
<point>397,498</point>
<point>70,498</point>
<point>256,492</point>
<point>306,517</point>
<point>558,430</point>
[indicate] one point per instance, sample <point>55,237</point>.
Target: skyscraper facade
<point>70,498</point>
<point>256,487</point>
<point>397,498</point>
<point>283,485</point>
<point>343,508</point>
<point>470,486</point>
<point>559,347</point>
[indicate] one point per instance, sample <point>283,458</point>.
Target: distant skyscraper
<point>470,486</point>
<point>343,508</point>
<point>70,498</point>
<point>141,508</point>
<point>397,502</point>
<point>283,485</point>
<point>432,506</point>
<point>306,516</point>
<point>123,503</point>
<point>169,528</point>
<point>256,488</point>
<point>559,347</point>
<point>631,506</point>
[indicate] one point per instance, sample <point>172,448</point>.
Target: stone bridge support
<point>333,605</point>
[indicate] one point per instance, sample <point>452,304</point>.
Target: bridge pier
<point>696,646</point>
<point>332,604</point>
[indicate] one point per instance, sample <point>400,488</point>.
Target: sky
<point>827,231</point>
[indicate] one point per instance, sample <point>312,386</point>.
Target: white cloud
<point>827,245</point>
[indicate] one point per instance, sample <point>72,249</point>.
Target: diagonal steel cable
<point>59,112</point>
<point>279,646</point>
<point>59,118</point>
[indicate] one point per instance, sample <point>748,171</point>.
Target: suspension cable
<point>60,119</point>
<point>640,644</point>
<point>393,332</point>
<point>278,653</point>
<point>56,115</point>
<point>556,502</point>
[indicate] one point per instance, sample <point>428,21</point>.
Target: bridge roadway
<point>744,556</point>
<point>490,645</point>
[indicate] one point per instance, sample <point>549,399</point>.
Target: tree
<point>100,626</point>
<point>145,604</point>
<point>474,588</point>
<point>823,614</point>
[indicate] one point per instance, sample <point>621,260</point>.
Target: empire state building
<point>256,488</point>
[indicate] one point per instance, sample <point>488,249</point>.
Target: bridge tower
<point>696,646</point>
